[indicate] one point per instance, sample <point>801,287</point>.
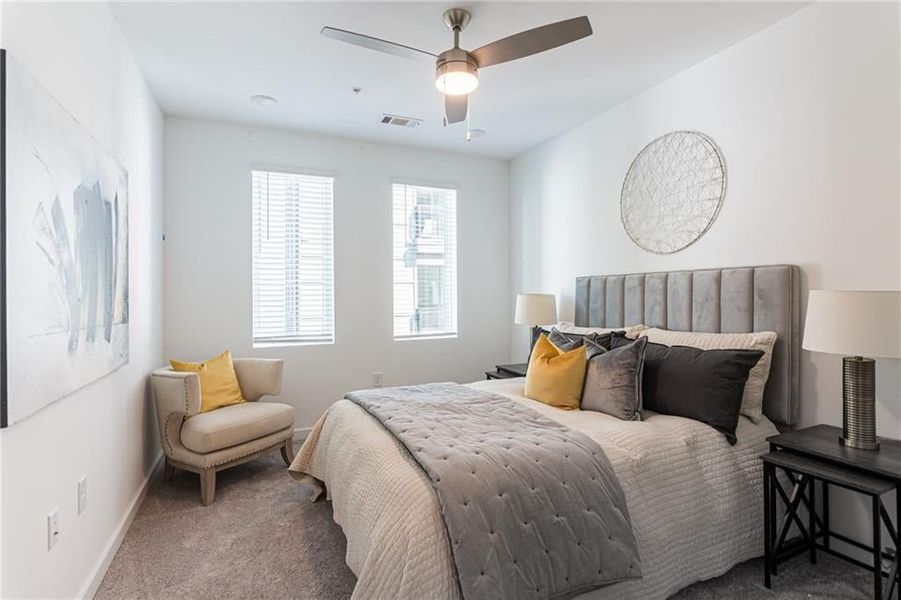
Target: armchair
<point>205,443</point>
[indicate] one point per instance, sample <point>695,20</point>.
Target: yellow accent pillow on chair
<point>556,377</point>
<point>218,381</point>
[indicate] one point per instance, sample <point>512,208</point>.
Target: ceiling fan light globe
<point>457,84</point>
<point>456,77</point>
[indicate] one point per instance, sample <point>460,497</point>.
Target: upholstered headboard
<point>739,300</point>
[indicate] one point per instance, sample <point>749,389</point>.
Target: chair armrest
<point>176,392</point>
<point>259,377</point>
<point>177,397</point>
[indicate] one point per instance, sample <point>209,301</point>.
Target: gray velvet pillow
<point>568,341</point>
<point>613,379</point>
<point>563,342</point>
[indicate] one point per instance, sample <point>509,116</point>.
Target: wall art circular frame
<point>673,191</point>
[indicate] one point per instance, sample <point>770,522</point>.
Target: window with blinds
<point>425,261</point>
<point>293,259</point>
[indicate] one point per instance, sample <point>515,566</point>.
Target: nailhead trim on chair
<point>184,397</point>
<point>166,430</point>
<point>184,384</point>
<point>233,458</point>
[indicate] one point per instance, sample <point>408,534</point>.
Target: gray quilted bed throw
<point>532,508</point>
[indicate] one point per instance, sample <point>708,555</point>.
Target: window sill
<point>289,344</point>
<point>426,336</point>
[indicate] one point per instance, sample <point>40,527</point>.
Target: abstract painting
<point>64,251</point>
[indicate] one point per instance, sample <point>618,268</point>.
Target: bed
<point>695,500</point>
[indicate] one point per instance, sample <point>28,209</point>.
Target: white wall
<point>106,431</point>
<point>806,114</point>
<point>208,258</point>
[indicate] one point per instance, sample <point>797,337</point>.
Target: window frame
<point>441,185</point>
<point>308,172</point>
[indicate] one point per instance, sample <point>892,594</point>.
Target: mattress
<point>695,501</point>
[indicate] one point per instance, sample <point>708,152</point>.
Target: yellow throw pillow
<point>556,377</point>
<point>218,382</point>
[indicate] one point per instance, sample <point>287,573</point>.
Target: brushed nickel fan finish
<point>455,55</point>
<point>457,18</point>
<point>504,50</point>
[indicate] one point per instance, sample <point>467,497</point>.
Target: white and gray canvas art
<point>67,251</point>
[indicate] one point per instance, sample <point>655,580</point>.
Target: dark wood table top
<point>822,442</point>
<point>518,368</point>
<point>829,471</point>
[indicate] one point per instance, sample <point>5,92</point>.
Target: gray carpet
<point>263,538</point>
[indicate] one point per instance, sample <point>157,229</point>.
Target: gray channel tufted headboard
<point>739,300</point>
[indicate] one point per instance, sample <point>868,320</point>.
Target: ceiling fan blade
<point>532,41</point>
<point>372,43</point>
<point>455,108</point>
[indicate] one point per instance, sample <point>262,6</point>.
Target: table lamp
<point>535,310</point>
<point>857,325</point>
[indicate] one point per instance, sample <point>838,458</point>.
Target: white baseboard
<point>92,584</point>
<point>90,587</point>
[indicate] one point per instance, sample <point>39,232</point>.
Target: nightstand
<point>812,455</point>
<point>507,371</point>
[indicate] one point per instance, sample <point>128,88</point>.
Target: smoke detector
<point>409,122</point>
<point>473,134</point>
<point>264,100</point>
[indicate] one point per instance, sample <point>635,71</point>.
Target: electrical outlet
<point>377,379</point>
<point>52,528</point>
<point>82,494</point>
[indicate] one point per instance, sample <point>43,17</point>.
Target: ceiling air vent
<point>400,121</point>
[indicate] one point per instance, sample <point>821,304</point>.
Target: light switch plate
<point>52,528</point>
<point>82,494</point>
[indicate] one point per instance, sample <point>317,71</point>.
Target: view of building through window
<point>425,261</point>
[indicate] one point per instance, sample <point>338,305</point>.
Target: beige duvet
<point>695,501</point>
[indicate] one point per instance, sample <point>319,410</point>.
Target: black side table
<point>507,371</point>
<point>814,454</point>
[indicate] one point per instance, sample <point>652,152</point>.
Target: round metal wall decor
<point>673,191</point>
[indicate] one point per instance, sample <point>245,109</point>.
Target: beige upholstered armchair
<point>206,443</point>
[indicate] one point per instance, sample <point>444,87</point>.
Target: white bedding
<point>695,501</point>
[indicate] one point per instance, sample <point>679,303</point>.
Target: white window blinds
<point>293,258</point>
<point>425,261</point>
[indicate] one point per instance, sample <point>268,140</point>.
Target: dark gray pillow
<point>704,385</point>
<point>613,379</point>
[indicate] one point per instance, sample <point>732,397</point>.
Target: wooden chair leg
<point>288,452</point>
<point>168,471</point>
<point>207,486</point>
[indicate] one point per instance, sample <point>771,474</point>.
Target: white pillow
<point>752,399</point>
<point>567,327</point>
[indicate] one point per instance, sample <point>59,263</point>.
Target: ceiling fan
<point>457,70</point>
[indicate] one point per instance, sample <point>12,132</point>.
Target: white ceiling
<point>206,59</point>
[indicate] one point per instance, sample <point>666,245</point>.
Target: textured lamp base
<point>859,403</point>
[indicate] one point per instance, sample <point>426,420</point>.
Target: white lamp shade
<point>535,309</point>
<point>854,323</point>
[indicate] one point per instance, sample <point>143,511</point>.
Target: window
<point>425,261</point>
<point>293,275</point>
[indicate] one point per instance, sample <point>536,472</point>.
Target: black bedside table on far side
<point>507,371</point>
<point>812,455</point>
